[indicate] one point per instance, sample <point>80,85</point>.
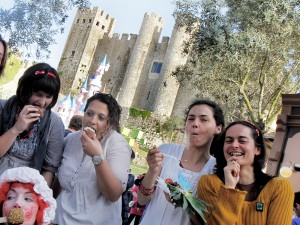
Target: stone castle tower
<point>140,72</point>
<point>88,27</point>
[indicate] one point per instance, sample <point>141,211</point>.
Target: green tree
<point>32,24</point>
<point>244,53</point>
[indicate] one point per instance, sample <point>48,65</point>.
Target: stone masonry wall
<point>168,85</point>
<point>150,89</point>
<point>88,27</point>
<point>149,32</point>
<point>129,78</point>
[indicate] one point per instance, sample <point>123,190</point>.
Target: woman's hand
<point>91,146</point>
<point>27,116</point>
<point>232,172</point>
<point>154,160</point>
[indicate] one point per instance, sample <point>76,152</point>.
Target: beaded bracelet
<point>146,191</point>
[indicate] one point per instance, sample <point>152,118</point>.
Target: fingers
<point>154,156</point>
<point>233,166</point>
<point>91,146</point>
<point>232,172</point>
<point>29,112</point>
<point>27,116</point>
<point>154,159</point>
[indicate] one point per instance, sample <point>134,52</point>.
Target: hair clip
<point>39,72</point>
<point>257,132</point>
<point>43,72</point>
<point>51,74</point>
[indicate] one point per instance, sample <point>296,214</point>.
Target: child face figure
<point>24,198</point>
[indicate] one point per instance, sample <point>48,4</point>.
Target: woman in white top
<point>204,120</point>
<point>94,171</point>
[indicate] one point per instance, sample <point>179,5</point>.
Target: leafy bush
<point>134,112</point>
<point>12,67</point>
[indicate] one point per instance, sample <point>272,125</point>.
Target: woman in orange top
<point>239,192</point>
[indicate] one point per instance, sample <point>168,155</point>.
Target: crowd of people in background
<point>90,160</point>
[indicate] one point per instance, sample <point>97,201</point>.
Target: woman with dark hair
<point>239,192</point>
<point>203,122</point>
<point>95,166</point>
<point>3,54</point>
<point>32,135</point>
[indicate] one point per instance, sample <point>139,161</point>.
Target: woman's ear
<point>257,151</point>
<point>218,129</point>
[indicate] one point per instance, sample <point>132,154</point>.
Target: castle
<point>140,72</point>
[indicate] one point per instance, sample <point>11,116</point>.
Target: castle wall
<point>151,87</point>
<point>118,51</point>
<point>185,95</point>
<point>140,58</point>
<point>88,27</point>
<point>168,85</point>
<point>130,77</point>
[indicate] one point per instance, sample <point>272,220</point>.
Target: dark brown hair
<point>39,77</point>
<point>4,59</point>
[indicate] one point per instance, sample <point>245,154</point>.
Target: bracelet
<point>146,191</point>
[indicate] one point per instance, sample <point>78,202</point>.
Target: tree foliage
<point>32,24</point>
<point>243,53</point>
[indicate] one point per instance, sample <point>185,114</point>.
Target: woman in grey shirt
<point>30,134</point>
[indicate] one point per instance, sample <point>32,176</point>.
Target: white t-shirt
<point>160,211</point>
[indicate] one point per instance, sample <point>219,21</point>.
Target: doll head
<point>24,188</point>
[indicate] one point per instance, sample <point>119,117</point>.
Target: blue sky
<point>129,15</point>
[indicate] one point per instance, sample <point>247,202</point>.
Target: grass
<point>138,169</point>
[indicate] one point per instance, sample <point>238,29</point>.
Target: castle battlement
<point>153,16</point>
<point>140,65</point>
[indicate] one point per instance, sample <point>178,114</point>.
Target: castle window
<point>90,20</point>
<point>97,23</point>
<point>101,13</point>
<point>107,16</point>
<point>156,67</point>
<point>83,21</point>
<point>73,53</point>
<point>77,21</point>
<point>103,27</point>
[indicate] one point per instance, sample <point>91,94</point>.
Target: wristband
<point>146,191</point>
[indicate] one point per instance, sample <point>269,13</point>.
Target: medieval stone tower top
<point>148,37</point>
<point>88,27</point>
